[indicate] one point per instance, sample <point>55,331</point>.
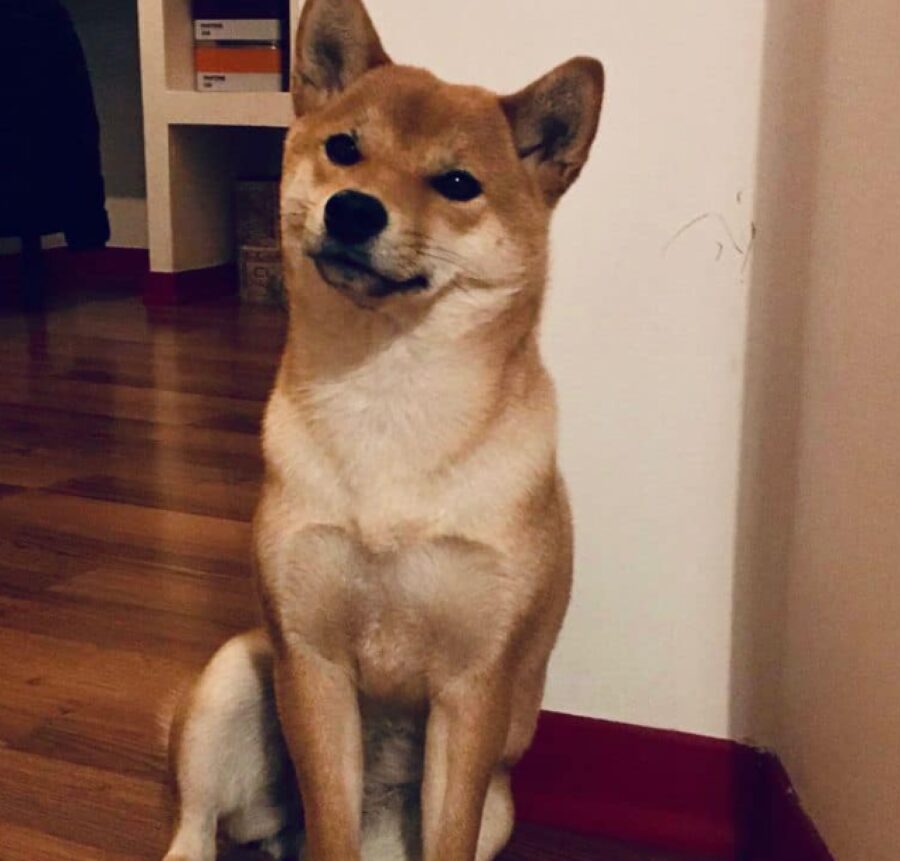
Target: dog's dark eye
<point>457,185</point>
<point>342,149</point>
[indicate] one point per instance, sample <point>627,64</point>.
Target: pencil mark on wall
<point>749,252</point>
<point>706,216</point>
<point>727,239</point>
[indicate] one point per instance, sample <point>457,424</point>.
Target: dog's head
<point>401,188</point>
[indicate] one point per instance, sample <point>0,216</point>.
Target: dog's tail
<point>166,712</point>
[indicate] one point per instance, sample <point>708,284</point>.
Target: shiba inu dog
<point>413,539</point>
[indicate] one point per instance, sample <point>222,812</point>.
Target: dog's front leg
<point>467,730</point>
<point>319,713</point>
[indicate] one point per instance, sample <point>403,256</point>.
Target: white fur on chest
<point>368,448</point>
<point>391,415</point>
<point>408,446</point>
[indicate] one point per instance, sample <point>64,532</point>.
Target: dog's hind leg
<point>228,756</point>
<point>284,846</point>
<point>195,836</point>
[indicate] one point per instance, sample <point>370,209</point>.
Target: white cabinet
<point>197,143</point>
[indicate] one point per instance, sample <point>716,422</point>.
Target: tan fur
<point>413,537</point>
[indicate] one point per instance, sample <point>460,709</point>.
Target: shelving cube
<point>195,145</point>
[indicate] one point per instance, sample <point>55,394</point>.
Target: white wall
<point>646,343</point>
<point>838,726</point>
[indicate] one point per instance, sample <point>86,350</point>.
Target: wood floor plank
<point>20,470</point>
<point>134,629</point>
<point>28,427</point>
<point>214,498</point>
<point>38,548</point>
<point>247,385</point>
<point>23,582</point>
<point>27,844</point>
<point>90,704</point>
<point>127,402</point>
<point>260,352</point>
<point>104,738</point>
<point>177,469</point>
<point>78,526</point>
<point>95,807</point>
<point>34,551</point>
<point>228,600</point>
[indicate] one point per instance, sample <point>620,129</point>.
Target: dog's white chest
<point>371,453</point>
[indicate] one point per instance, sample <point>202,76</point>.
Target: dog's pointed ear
<point>336,43</point>
<point>554,121</point>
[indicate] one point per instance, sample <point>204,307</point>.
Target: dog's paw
<point>284,846</point>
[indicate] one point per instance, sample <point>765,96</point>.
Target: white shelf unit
<point>196,144</point>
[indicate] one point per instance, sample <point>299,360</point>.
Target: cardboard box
<point>261,275</point>
<point>256,208</point>
<point>238,30</point>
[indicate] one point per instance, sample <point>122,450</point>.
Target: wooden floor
<point>129,467</point>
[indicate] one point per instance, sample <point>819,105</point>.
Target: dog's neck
<point>404,395</point>
<point>332,340</point>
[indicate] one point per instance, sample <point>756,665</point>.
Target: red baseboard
<point>121,270</point>
<point>195,285</point>
<point>64,271</point>
<point>672,791</point>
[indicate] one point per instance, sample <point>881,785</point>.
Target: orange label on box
<point>261,60</point>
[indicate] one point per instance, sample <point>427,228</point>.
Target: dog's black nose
<point>352,217</point>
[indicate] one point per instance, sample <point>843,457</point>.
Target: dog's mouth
<point>355,276</point>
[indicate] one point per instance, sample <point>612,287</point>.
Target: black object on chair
<point>50,172</point>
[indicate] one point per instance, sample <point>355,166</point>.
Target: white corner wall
<point>645,328</point>
<point>838,724</point>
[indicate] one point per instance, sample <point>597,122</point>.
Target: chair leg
<point>32,272</point>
